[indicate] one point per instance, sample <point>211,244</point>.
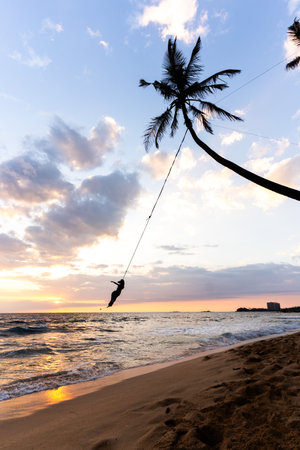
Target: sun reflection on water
<point>58,395</point>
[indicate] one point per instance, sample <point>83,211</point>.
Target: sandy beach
<point>242,398</point>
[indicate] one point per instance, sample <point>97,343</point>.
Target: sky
<point>77,187</point>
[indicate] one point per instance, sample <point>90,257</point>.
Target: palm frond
<point>199,90</point>
<point>201,116</point>
<point>165,120</point>
<point>144,83</point>
<point>173,65</point>
<point>164,89</point>
<point>193,69</point>
<point>150,133</point>
<point>214,109</point>
<point>174,124</point>
<point>174,55</point>
<point>294,31</point>
<point>156,129</point>
<point>293,64</point>
<point>223,73</point>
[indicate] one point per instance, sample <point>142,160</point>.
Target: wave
<point>43,382</point>
<point>230,338</point>
<point>27,352</point>
<point>16,322</point>
<point>24,330</point>
<point>108,330</point>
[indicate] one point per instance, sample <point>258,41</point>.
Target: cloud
<point>30,58</point>
<point>96,34</point>
<point>260,149</point>
<point>176,18</point>
<point>183,283</point>
<point>14,252</point>
<point>240,112</point>
<point>222,15</point>
<point>286,172</point>
<point>10,244</point>
<point>157,164</point>
<point>186,160</point>
<point>97,208</point>
<point>259,165</point>
<point>48,25</point>
<point>196,283</point>
<point>93,34</point>
<point>282,145</point>
<point>29,180</point>
<point>229,139</point>
<point>296,253</point>
<point>11,210</point>
<point>218,191</point>
<point>104,44</point>
<point>178,250</point>
<point>67,144</point>
<point>120,189</point>
<point>60,217</point>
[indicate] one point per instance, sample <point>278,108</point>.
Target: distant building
<point>273,306</point>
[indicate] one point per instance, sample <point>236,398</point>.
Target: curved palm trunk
<point>263,182</point>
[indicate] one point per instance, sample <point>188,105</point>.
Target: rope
<point>154,206</point>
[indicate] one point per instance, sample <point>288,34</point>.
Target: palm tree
<point>181,88</point>
<point>294,34</point>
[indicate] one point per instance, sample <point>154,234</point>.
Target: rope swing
<point>121,284</point>
<point>154,206</point>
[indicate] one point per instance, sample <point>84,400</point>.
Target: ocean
<point>46,351</point>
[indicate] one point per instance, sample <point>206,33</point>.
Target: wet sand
<point>247,397</point>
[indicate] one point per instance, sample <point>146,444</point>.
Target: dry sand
<point>243,398</point>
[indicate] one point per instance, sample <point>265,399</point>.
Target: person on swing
<point>115,294</point>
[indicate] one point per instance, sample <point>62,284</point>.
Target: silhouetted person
<point>115,294</point>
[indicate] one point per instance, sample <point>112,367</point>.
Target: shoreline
<point>28,404</point>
